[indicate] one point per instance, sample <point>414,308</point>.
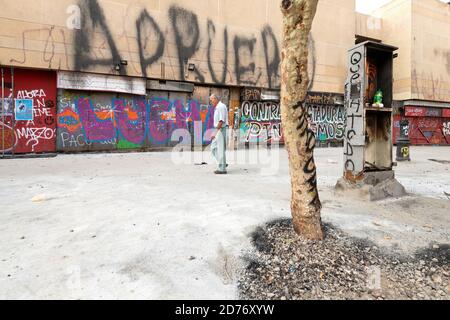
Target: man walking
<point>219,138</point>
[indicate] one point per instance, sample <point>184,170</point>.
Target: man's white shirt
<point>220,114</point>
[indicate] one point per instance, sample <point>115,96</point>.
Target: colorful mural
<point>101,121</point>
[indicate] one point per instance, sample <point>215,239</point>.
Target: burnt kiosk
<point>368,147</point>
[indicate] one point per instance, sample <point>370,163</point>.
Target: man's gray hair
<point>214,96</point>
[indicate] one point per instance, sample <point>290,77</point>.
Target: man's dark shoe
<point>220,172</point>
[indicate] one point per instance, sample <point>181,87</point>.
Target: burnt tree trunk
<point>300,140</point>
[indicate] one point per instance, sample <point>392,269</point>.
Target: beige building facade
<point>421,31</point>
<point>227,42</point>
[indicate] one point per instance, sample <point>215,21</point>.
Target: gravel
<point>285,266</point>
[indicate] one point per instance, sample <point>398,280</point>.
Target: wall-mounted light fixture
<point>118,66</point>
<point>191,67</point>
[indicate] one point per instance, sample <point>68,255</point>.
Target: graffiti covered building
<point>97,75</point>
<point>123,74</point>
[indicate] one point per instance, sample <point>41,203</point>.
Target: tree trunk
<point>300,140</point>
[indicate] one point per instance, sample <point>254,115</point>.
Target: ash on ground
<point>285,266</point>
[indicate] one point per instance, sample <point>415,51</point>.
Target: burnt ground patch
<point>286,266</point>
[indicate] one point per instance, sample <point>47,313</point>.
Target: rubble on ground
<point>285,266</point>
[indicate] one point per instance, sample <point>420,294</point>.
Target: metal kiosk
<point>368,147</point>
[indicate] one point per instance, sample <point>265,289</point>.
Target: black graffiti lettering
<point>352,70</point>
<point>353,116</point>
<point>310,140</point>
<point>312,182</point>
<point>355,76</point>
<point>272,60</point>
<point>211,35</point>
<point>299,104</point>
<point>356,103</point>
<point>144,25</point>
<point>349,163</point>
<point>310,166</point>
<point>356,58</point>
<point>302,123</point>
<point>92,18</point>
<point>353,103</point>
<point>351,134</point>
<point>349,150</point>
<point>241,44</point>
<point>184,25</point>
<point>187,37</point>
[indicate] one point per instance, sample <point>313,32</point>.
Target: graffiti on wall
<point>255,59</point>
<point>425,130</point>
<point>327,116</point>
<point>34,132</point>
<point>250,94</point>
<point>327,122</point>
<point>29,136</point>
<point>189,34</point>
<point>260,121</point>
<point>354,132</point>
<point>51,56</point>
<point>446,128</point>
<point>99,122</point>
